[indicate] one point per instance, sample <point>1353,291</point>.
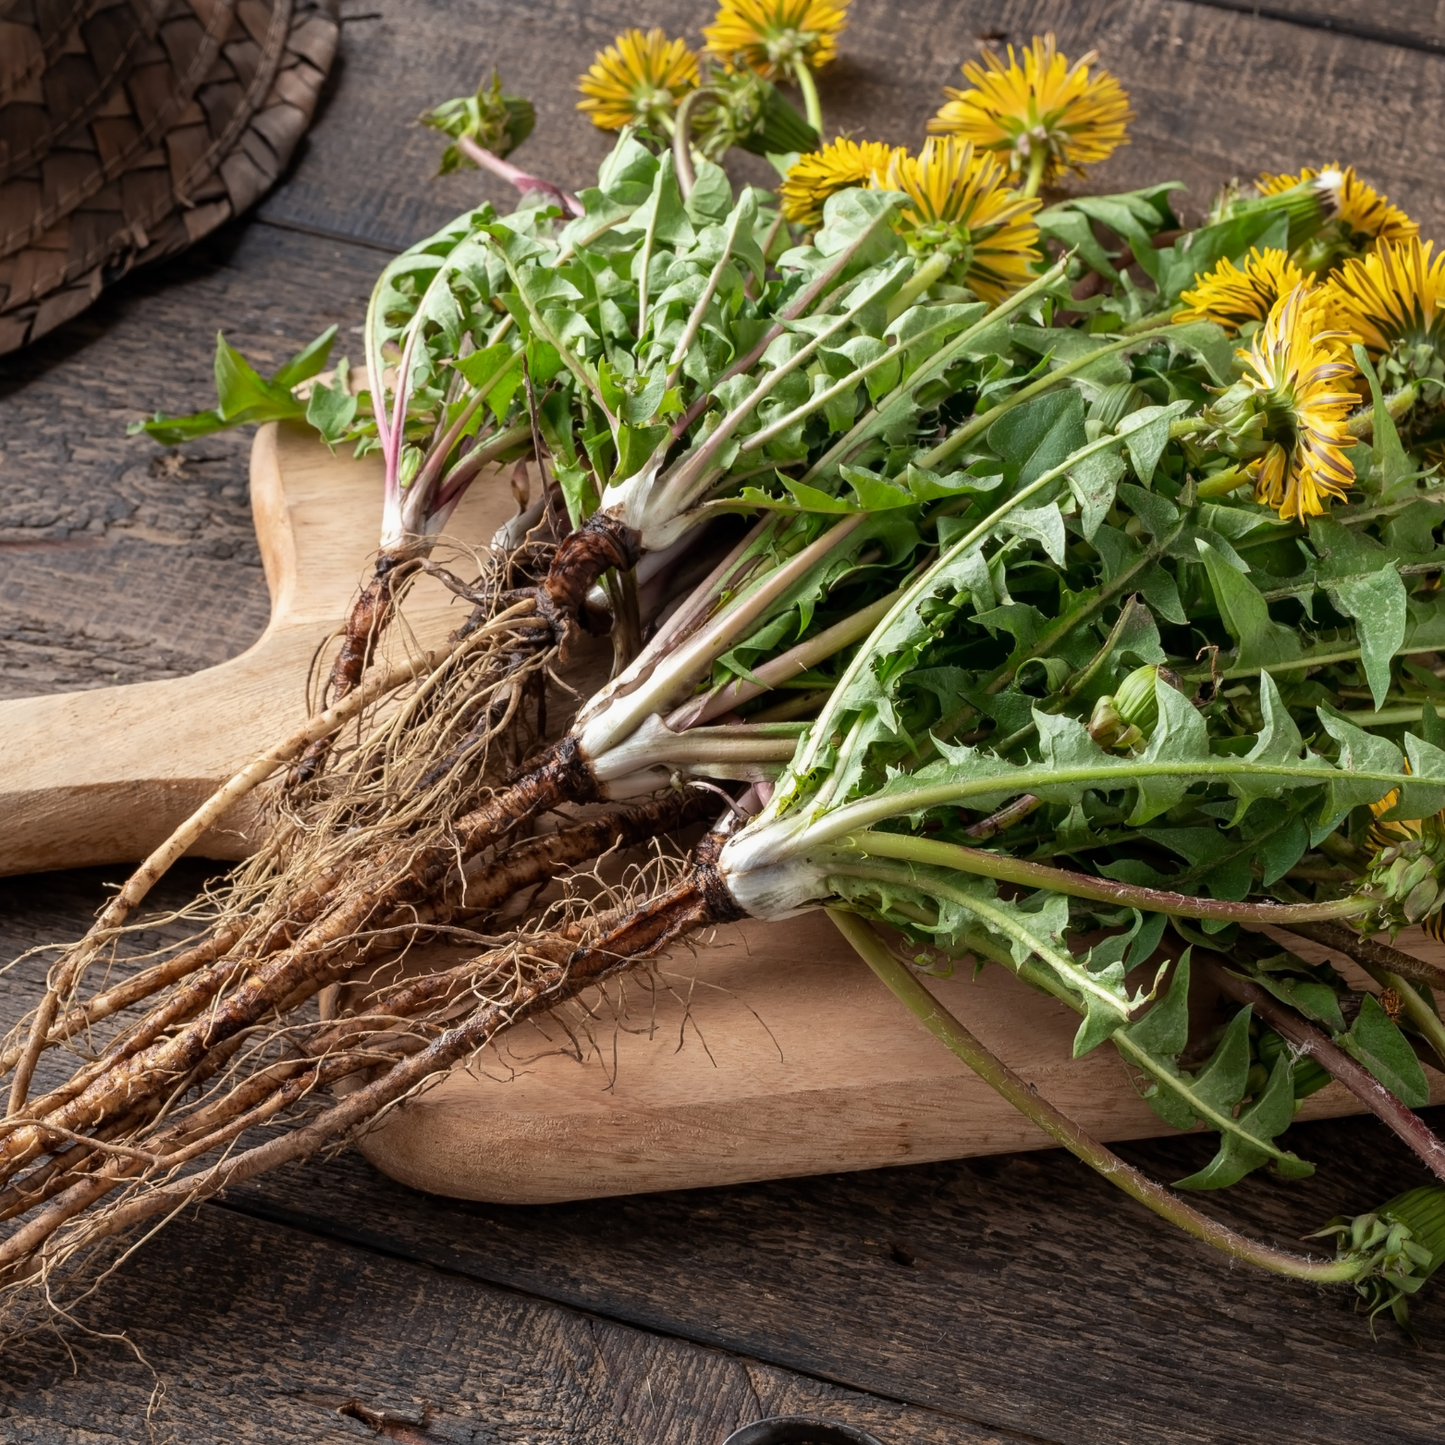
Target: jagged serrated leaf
<point>1099,1022</point>
<point>1164,1030</point>
<point>1073,229</point>
<point>331,409</point>
<point>1109,960</point>
<point>1211,344</point>
<point>1180,736</point>
<point>711,197</point>
<point>1158,515</point>
<point>1419,799</point>
<point>1278,743</point>
<point>1261,641</point>
<point>1359,752</point>
<point>1039,435</point>
<point>1146,433</point>
<point>1043,524</point>
<point>1221,1082</point>
<point>1094,481</point>
<point>308,362</point>
<point>1363,582</point>
<point>1280,849</point>
<point>1378,1044</point>
<point>1240,1150</point>
<point>1378,605</point>
<point>1317,1001</point>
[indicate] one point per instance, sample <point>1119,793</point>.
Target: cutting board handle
<point>103,776</point>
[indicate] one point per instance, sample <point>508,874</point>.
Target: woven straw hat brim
<point>131,128</point>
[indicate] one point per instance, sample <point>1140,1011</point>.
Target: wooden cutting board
<point>766,1051</point>
<point>771,1052</point>
<point>105,775</point>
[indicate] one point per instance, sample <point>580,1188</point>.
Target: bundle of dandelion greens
<point>1016,572</point>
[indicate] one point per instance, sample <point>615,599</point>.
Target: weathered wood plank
<point>119,562</point>
<point>261,1335</point>
<point>1022,1293</point>
<point>1218,92</point>
<point>1402,22</point>
<point>117,566</point>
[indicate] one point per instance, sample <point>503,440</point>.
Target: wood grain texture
<point>262,1336</point>
<point>1034,1300</point>
<point>1019,1293</point>
<point>767,1051</point>
<point>120,562</point>
<point>105,775</point>
<point>1411,23</point>
<point>1218,93</point>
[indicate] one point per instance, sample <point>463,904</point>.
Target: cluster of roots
<point>428,815</point>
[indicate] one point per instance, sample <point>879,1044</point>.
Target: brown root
<point>370,616</point>
<point>527,976</point>
<point>1370,951</point>
<point>218,1030</point>
<point>65,977</point>
<point>600,543</point>
<point>370,852</point>
<point>411,834</point>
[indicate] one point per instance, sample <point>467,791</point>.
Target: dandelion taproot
<point>637,80</point>
<point>1298,380</point>
<point>959,206</point>
<point>837,166</point>
<point>1040,114</point>
<point>1231,295</point>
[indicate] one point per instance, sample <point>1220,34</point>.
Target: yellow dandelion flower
<point>958,202</point>
<point>1043,115</point>
<point>1231,295</point>
<point>817,175</point>
<point>1383,833</point>
<point>775,37</point>
<point>638,79</point>
<point>1361,208</point>
<point>1299,380</point>
<point>1395,294</point>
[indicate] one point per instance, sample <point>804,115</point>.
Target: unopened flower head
<point>1406,871</point>
<point>637,80</point>
<point>1232,295</point>
<point>1039,114</point>
<point>1298,382</point>
<point>1361,210</point>
<point>816,176</point>
<point>774,37</point>
<point>958,202</point>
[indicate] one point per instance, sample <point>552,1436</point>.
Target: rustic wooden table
<point>1007,1299</point>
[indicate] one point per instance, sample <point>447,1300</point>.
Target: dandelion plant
<point>1024,580</point>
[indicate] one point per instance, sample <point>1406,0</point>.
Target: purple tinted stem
<point>1396,1116</point>
<point>794,309</point>
<point>523,180</point>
